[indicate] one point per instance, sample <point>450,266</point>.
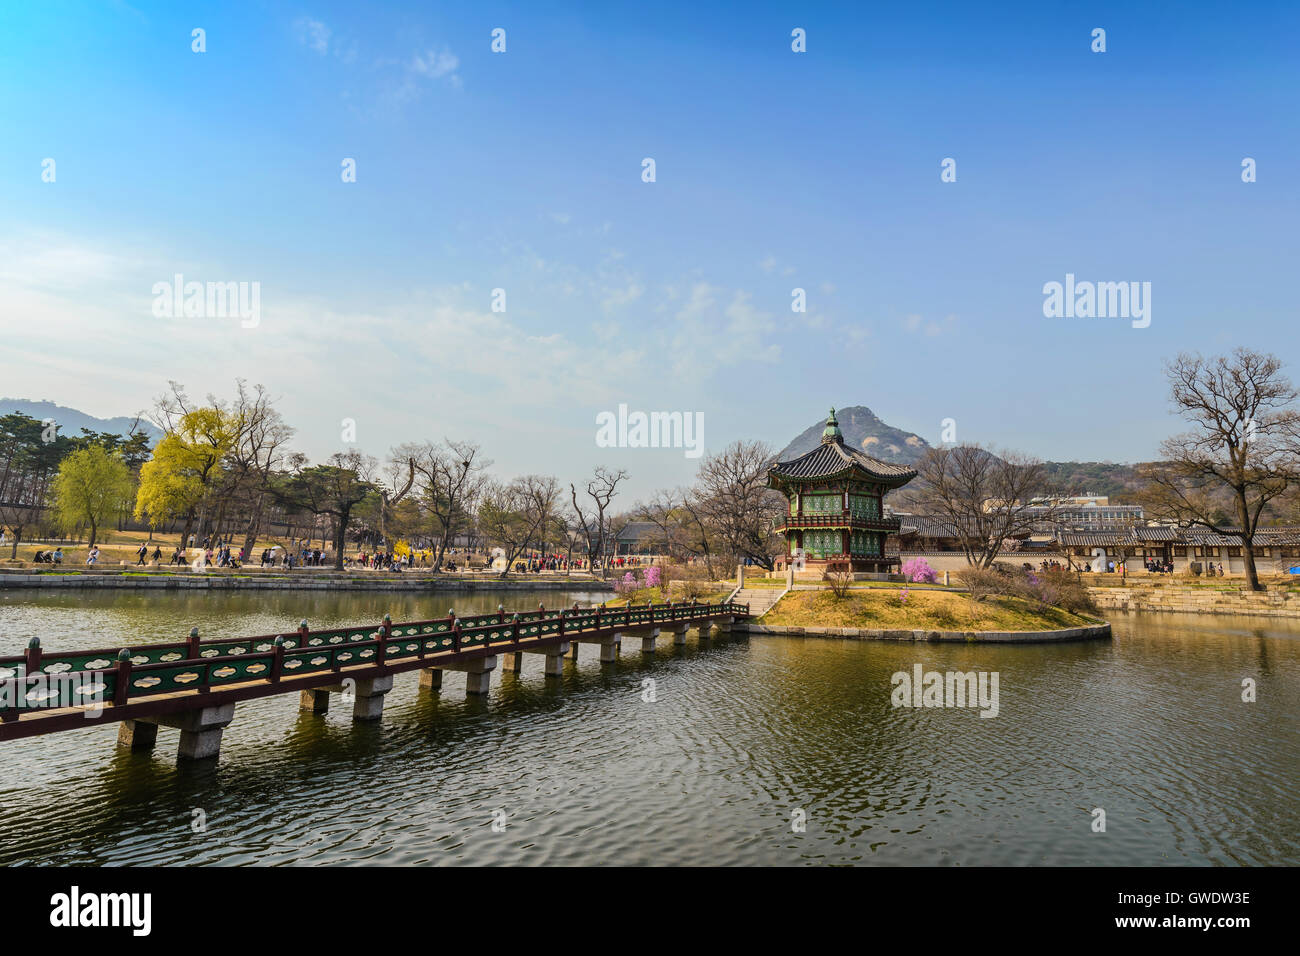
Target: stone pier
<point>514,662</point>
<point>648,641</point>
<point>554,655</point>
<point>201,731</point>
<point>478,673</point>
<point>137,734</point>
<point>609,645</point>
<point>368,696</point>
<point>314,701</point>
<point>431,678</point>
<point>679,633</point>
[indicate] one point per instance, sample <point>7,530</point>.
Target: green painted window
<point>822,504</point>
<point>864,506</point>
<point>821,544</point>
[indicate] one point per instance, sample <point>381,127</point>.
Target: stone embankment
<point>1197,600</point>
<point>313,580</point>
<point>1090,633</point>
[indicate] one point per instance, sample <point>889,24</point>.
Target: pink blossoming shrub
<point>654,576</point>
<point>919,572</point>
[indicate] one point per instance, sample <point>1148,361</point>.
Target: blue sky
<point>522,171</point>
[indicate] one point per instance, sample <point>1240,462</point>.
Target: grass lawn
<point>930,610</point>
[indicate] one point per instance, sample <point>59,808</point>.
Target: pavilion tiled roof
<point>1196,537</point>
<point>832,458</point>
<point>1155,533</point>
<point>1095,539</point>
<point>927,527</point>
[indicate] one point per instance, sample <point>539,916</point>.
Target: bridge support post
<point>679,634</point>
<point>479,679</point>
<point>478,673</point>
<point>431,678</point>
<point>137,735</point>
<point>648,641</point>
<point>555,658</point>
<point>368,696</point>
<point>705,627</point>
<point>314,701</point>
<point>724,625</point>
<point>201,730</point>
<point>516,661</point>
<point>573,651</point>
<point>369,702</point>
<point>609,648</point>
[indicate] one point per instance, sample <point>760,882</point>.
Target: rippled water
<point>743,733</point>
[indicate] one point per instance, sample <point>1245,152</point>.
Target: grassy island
<point>910,608</point>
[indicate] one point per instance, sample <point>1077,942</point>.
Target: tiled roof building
<point>835,507</point>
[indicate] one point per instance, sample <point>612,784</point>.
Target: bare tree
<point>593,523</point>
<point>389,490</point>
<point>331,490</point>
<point>453,476</point>
<point>680,524</point>
<point>516,515</point>
<point>259,449</point>
<point>1240,453</point>
<point>736,504</point>
<point>986,496</point>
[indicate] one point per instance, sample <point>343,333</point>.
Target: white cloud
<point>932,328</point>
<point>313,34</point>
<point>435,65</point>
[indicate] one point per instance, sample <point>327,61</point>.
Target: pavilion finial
<point>832,431</point>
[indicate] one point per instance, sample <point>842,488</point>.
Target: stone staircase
<point>760,600</point>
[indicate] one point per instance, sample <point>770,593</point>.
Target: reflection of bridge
<point>194,685</point>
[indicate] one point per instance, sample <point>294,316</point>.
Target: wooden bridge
<point>194,685</point>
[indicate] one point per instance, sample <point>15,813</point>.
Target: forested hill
<point>1117,481</point>
<point>71,421</point>
<point>864,430</point>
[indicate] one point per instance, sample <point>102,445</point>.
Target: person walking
<point>143,553</point>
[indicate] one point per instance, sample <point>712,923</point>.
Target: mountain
<point>71,421</point>
<point>864,431</point>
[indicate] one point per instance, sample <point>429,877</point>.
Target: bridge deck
<point>157,680</point>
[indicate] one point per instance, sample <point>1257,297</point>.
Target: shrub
<point>839,576</point>
<point>654,576</point>
<point>983,583</point>
<point>625,585</point>
<point>918,571</point>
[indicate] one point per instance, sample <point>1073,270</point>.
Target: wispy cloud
<point>436,65</point>
<point>919,325</point>
<point>313,34</point>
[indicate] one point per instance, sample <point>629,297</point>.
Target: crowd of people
<point>214,552</point>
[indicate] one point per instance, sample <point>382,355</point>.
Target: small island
<point>904,607</point>
<point>834,526</point>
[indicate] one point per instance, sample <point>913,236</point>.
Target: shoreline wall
<point>217,581</point>
<point>1095,632</point>
<point>1192,600</point>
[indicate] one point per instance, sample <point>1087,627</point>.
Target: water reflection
<point>742,734</point>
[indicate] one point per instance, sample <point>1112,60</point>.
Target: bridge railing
<point>124,675</point>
